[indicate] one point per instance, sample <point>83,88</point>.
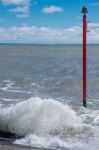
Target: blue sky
<point>47,21</point>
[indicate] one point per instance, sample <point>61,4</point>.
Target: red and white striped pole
<point>84,11</point>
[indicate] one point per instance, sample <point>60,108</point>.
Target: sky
<point>47,21</point>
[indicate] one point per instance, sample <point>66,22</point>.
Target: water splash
<point>48,123</point>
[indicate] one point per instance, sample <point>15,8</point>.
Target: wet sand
<point>19,147</point>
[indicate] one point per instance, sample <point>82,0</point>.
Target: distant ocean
<point>41,95</point>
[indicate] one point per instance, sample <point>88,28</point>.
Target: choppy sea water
<point>41,95</point>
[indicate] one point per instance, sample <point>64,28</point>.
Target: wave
<point>45,122</point>
<point>9,87</point>
<point>9,99</point>
<point>15,91</point>
<point>37,115</point>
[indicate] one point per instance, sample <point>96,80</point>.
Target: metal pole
<point>84,11</point>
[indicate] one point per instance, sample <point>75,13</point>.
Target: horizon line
<point>47,44</point>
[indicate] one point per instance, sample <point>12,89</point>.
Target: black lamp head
<point>84,10</point>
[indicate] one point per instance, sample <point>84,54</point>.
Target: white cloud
<point>25,15</point>
<point>33,34</point>
<point>22,10</point>
<point>14,2</point>
<point>21,7</point>
<point>52,9</point>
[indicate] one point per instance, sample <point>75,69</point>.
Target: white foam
<point>10,100</point>
<point>8,81</point>
<point>55,142</point>
<point>90,116</point>
<point>9,85</point>
<point>13,90</point>
<point>19,91</point>
<point>36,115</point>
<point>34,84</point>
<point>46,123</point>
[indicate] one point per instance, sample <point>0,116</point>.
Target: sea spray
<point>37,115</point>
<point>45,123</point>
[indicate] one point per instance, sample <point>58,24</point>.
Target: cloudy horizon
<point>37,21</point>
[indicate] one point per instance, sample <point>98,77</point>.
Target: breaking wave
<point>48,123</point>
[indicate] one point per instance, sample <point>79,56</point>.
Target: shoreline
<point>6,144</point>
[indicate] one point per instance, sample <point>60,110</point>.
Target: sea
<point>41,95</point>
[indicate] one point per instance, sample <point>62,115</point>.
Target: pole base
<point>84,103</point>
